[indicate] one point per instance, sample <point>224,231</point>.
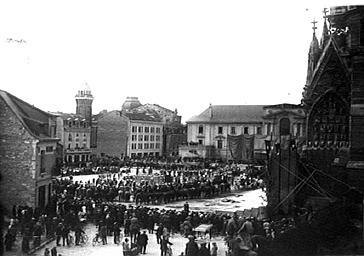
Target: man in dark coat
<point>204,251</point>
<point>143,241</point>
<point>191,247</point>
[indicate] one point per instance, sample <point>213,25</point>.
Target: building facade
<point>334,99</point>
<point>74,132</point>
<point>209,134</point>
<point>145,136</point>
<point>77,132</point>
<point>28,153</point>
<point>112,134</point>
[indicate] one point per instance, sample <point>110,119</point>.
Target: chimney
<point>211,112</point>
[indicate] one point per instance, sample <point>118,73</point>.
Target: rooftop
<point>230,114</point>
<point>36,121</point>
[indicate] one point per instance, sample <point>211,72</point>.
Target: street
<point>111,249</point>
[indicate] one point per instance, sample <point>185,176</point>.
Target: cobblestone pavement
<point>111,249</point>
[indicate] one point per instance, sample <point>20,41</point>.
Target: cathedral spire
<point>313,54</point>
<point>325,31</point>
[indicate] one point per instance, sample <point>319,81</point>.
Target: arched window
<point>329,120</point>
<point>284,126</point>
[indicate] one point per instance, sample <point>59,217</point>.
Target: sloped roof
<point>68,116</point>
<point>36,121</point>
<point>144,115</point>
<point>230,114</point>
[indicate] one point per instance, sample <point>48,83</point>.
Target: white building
<point>207,133</point>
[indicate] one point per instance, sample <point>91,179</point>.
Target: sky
<point>181,55</point>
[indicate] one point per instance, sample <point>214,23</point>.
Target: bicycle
<point>83,239</point>
<point>96,240</point>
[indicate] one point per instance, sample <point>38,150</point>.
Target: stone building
<point>74,132</point>
<point>112,134</point>
<point>28,153</point>
<point>210,133</point>
<point>138,131</point>
<point>145,134</point>
<point>77,132</point>
<point>334,100</point>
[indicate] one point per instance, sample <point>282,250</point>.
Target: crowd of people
<point>73,203</point>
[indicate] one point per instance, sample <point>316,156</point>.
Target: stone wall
<point>17,161</point>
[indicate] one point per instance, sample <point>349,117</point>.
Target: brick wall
<point>17,161</point>
<point>112,132</point>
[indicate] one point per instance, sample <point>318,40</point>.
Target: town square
<point>195,128</point>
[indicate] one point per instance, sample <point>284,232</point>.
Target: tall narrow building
<point>84,101</point>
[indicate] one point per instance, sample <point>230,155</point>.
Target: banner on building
<point>241,147</point>
<point>235,146</point>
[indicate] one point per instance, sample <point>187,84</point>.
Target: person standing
<point>116,231</point>
<point>103,234</point>
<point>59,231</point>
<point>214,249</point>
<point>164,246</point>
<point>54,251</point>
<point>203,251</point>
<point>159,233</point>
<point>78,233</point>
<point>126,247</point>
<point>143,241</point>
<point>191,247</point>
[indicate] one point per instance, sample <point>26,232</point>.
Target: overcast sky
<point>178,54</point>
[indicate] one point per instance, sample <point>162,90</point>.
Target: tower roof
<point>131,103</point>
<point>85,92</point>
<point>313,54</point>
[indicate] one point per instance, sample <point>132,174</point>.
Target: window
<point>259,130</point>
<point>140,129</point>
<point>84,125</point>
<point>42,161</point>
<point>219,144</point>
<point>84,145</point>
<point>200,129</point>
<point>151,137</point>
<point>133,137</point>
<point>157,145</point>
<point>69,124</point>
<point>69,146</point>
<point>140,145</point>
<point>84,135</point>
<point>152,129</point>
<point>76,134</point>
<point>146,129</point>
<point>157,137</point>
<point>134,129</point>
<point>76,145</point>
<point>298,132</point>
<point>140,137</point>
<point>269,128</point>
<point>246,130</point>
<point>133,146</point>
<point>284,126</point>
<point>151,146</point>
<point>200,142</point>
<point>49,149</point>
<point>133,155</point>
<point>146,145</point>
<point>232,130</point>
<point>220,130</point>
<point>158,130</point>
<point>146,137</point>
<point>69,137</point>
